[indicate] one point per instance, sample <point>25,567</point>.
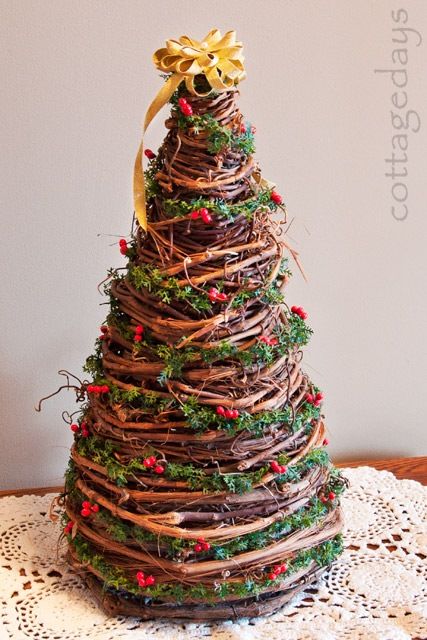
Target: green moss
<point>323,555</point>
<point>222,208</point>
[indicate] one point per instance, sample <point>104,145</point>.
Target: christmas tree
<point>199,484</point>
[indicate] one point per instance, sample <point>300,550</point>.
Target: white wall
<point>76,77</point>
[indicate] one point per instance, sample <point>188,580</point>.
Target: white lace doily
<point>376,590</point>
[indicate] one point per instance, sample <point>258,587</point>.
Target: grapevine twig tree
<point>199,484</point>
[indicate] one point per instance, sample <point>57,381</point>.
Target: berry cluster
<point>227,413</point>
<point>277,570</point>
<point>149,154</point>
<point>151,463</point>
<point>186,109</point>
<point>95,388</point>
<point>277,468</point>
<point>315,400</point>
<point>104,332</point>
<point>68,527</point>
<point>216,296</point>
<point>329,498</point>
<point>202,213</point>
<point>139,330</point>
<point>201,545</point>
<point>299,311</point>
<point>144,581</point>
<point>80,429</point>
<point>123,246</point>
<point>270,341</point>
<point>88,508</point>
<point>243,129</point>
<point>276,197</point>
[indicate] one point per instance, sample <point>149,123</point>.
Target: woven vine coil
<point>213,546</point>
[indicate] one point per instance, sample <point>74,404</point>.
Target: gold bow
<point>218,58</point>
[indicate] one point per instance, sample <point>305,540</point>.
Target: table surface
<point>409,468</point>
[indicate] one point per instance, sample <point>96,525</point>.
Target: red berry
<point>325,442</point>
<point>228,413</point>
<point>272,576</point>
<point>220,411</point>
<point>276,569</point>
<point>198,547</point>
<point>89,388</point>
<point>140,579</point>
<point>283,568</point>
<point>86,504</point>
<point>253,130</point>
<point>95,508</point>
<point>85,433</point>
<point>273,342</point>
<point>105,388</point>
<point>122,242</point>
<point>195,214</point>
<point>137,337</point>
<point>309,398</point>
<point>147,462</point>
<point>85,512</point>
<point>152,460</point>
<point>159,469</point>
<point>103,329</point>
<point>331,495</point>
<point>235,414</point>
<point>276,197</point>
<point>222,296</point>
<point>149,154</point>
<point>206,546</point>
<point>263,339</point>
<point>205,215</point>
<point>74,427</point>
<point>139,328</point>
<point>323,499</point>
<point>201,540</point>
<point>149,580</point>
<point>186,109</point>
<point>282,468</point>
<point>123,250</point>
<point>68,527</point>
<point>182,102</point>
<point>274,466</point>
<point>242,128</point>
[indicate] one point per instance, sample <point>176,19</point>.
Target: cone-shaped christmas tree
<point>199,485</point>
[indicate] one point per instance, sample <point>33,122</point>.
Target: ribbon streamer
<point>219,58</point>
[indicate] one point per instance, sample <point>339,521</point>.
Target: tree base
<point>120,603</point>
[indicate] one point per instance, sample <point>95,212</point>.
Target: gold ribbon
<point>219,58</point>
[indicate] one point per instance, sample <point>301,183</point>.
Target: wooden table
<point>410,468</point>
